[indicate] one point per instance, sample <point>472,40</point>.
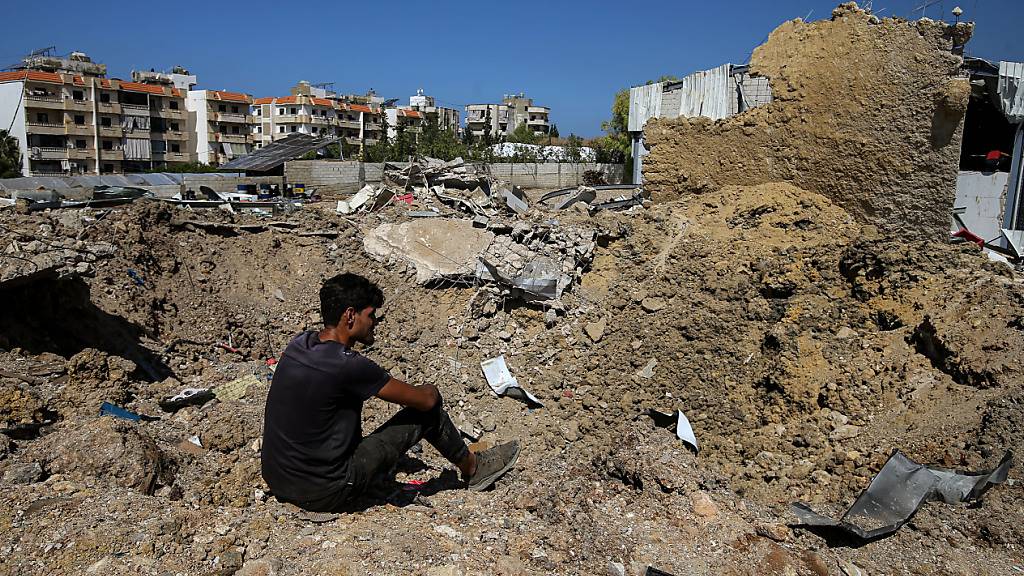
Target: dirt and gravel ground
<point>803,346</point>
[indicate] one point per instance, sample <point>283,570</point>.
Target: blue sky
<point>571,56</point>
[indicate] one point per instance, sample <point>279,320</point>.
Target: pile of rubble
<point>788,347</point>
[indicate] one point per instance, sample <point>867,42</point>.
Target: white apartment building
<point>221,123</point>
<point>502,119</point>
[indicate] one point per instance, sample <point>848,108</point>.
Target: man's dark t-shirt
<point>313,419</point>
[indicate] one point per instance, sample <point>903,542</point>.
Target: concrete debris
<point>437,248</point>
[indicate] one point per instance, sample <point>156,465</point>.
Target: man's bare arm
<point>422,398</point>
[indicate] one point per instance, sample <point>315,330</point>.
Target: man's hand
<point>422,398</point>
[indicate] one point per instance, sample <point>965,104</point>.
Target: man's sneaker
<point>492,464</point>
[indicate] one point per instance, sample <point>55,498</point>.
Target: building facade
<point>221,123</point>
<point>500,120</point>
<point>319,113</point>
<point>446,118</point>
<point>68,121</point>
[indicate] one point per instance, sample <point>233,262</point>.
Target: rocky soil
<point>804,348</point>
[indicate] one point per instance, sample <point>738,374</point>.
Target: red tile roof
<point>33,75</point>
<point>288,100</point>
<point>411,113</point>
<point>321,102</point>
<point>175,92</point>
<point>230,96</point>
<point>139,87</point>
<point>78,81</point>
<point>360,108</point>
<point>104,83</point>
<point>267,100</point>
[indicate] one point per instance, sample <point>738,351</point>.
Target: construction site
<point>703,371</point>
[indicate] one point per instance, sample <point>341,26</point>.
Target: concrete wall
<point>12,107</point>
<point>867,112</point>
<point>338,176</point>
<point>982,194</point>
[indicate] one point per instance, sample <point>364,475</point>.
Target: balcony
<point>78,129</point>
<point>170,156</point>
<point>324,120</point>
<point>48,102</point>
<point>135,109</point>
<point>48,153</point>
<point>81,153</point>
<point>111,131</point>
<point>109,107</point>
<point>233,138</point>
<point>373,126</point>
<point>109,155</point>
<point>173,135</point>
<point>34,127</point>
<point>167,113</point>
<point>231,117</point>
<point>537,122</point>
<point>354,124</point>
<point>292,119</point>
<point>78,105</point>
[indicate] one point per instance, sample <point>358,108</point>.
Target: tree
<point>523,134</point>
<point>573,149</point>
<point>10,156</point>
<point>617,140</point>
<point>554,131</point>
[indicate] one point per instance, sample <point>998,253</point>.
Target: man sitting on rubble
<point>314,454</point>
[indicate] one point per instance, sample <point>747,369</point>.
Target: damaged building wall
<point>333,176</point>
<point>868,112</point>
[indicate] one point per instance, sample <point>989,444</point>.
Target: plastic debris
<point>235,389</point>
<point>503,383</point>
<point>187,397</point>
<point>676,421</point>
<point>108,409</point>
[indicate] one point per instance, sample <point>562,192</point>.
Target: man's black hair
<point>346,291</point>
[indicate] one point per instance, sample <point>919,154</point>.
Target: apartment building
<point>221,124</point>
<point>446,118</point>
<point>503,119</point>
<point>317,112</point>
<point>69,119</point>
<point>408,120</point>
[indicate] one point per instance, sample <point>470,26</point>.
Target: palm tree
<point>10,156</point>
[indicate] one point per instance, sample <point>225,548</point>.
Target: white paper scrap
<point>500,379</point>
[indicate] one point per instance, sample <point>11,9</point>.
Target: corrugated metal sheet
<point>1011,90</point>
<point>273,155</point>
<point>707,93</point>
<point>644,104</point>
<point>63,183</point>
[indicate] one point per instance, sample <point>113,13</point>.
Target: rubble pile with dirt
<point>803,345</point>
<point>866,111</point>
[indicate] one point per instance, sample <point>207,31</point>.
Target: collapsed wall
<point>867,112</point>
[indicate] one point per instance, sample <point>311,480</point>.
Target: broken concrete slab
<point>438,248</point>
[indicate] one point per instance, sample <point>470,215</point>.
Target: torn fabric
<point>896,493</point>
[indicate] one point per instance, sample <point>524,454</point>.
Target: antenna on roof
<point>48,52</point>
<point>924,7</point>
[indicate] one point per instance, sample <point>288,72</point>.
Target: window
<point>293,128</point>
<point>108,168</point>
<point>174,104</point>
<point>293,111</point>
<point>174,127</point>
<point>314,129</point>
<point>258,111</point>
<point>234,129</point>
<point>79,119</point>
<point>79,144</point>
<point>175,147</point>
<point>108,145</point>
<point>222,108</point>
<point>104,97</point>
<point>259,129</point>
<point>78,95</point>
<point>105,121</point>
<point>42,118</point>
<point>280,110</point>
<point>280,129</point>
<point>223,129</point>
<point>234,109</point>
